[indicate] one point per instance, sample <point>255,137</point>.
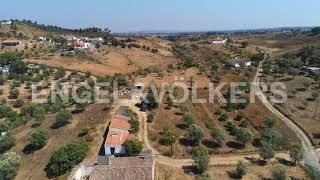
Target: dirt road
<point>310,157</point>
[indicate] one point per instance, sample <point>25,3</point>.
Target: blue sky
<point>175,15</point>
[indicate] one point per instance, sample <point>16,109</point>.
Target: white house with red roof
<point>117,135</point>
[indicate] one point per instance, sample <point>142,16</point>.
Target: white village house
<point>237,63</point>
<point>219,41</point>
<point>6,22</point>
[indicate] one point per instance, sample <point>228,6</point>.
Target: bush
<point>244,136</point>
<point>13,94</point>
<point>134,126</point>
<point>218,135</point>
<point>65,158</point>
<point>188,120</point>
<point>195,134</point>
<point>269,122</point>
<point>133,147</point>
<point>18,103</point>
<point>7,142</point>
<point>39,138</point>
<point>279,173</point>
<point>9,164</point>
<point>296,153</point>
<point>150,117</point>
<point>266,151</point>
<point>239,172</point>
<point>168,138</point>
<point>223,117</point>
<point>4,110</point>
<point>62,118</point>
<point>201,158</point>
<point>4,127</point>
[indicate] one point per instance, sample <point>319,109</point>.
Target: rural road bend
<point>310,157</point>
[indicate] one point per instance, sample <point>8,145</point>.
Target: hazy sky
<point>176,15</point>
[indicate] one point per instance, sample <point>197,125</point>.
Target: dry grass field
<point>110,60</point>
<point>255,172</point>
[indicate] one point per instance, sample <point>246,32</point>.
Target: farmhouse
<point>219,41</point>
<point>6,22</point>
<point>117,135</point>
<point>10,42</point>
<point>237,63</point>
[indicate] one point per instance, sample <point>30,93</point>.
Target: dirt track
<point>310,157</point>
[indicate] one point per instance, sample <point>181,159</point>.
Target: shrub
<point>266,151</point>
<point>188,120</point>
<point>218,135</point>
<point>7,142</point>
<point>223,117</point>
<point>271,136</point>
<point>62,118</point>
<point>269,122</point>
<point>201,158</point>
<point>168,138</point>
<point>13,94</point>
<point>4,127</point>
<point>65,158</point>
<point>134,126</point>
<point>9,164</point>
<point>4,110</point>
<point>279,173</point>
<point>39,138</point>
<point>18,103</point>
<point>150,117</point>
<point>239,172</point>
<point>244,136</point>
<point>195,134</point>
<point>133,147</point>
<point>296,153</point>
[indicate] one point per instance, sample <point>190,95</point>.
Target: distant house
<point>10,42</point>
<point>118,133</point>
<point>94,40</point>
<point>219,41</point>
<point>83,46</point>
<point>6,22</point>
<point>237,63</point>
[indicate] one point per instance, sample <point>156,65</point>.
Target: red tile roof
<point>116,138</point>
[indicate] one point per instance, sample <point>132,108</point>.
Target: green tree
<point>271,136</point>
<point>218,135</point>
<point>266,151</point>
<point>150,117</point>
<point>279,173</point>
<point>269,122</point>
<point>296,153</point>
<point>65,158</point>
<point>13,94</point>
<point>244,136</point>
<point>9,164</point>
<point>188,119</point>
<point>168,138</point>
<point>39,138</point>
<point>133,147</point>
<point>239,172</point>
<point>7,142</point>
<point>62,118</point>
<point>201,158</point>
<point>195,134</point>
<point>18,103</point>
<point>4,127</point>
